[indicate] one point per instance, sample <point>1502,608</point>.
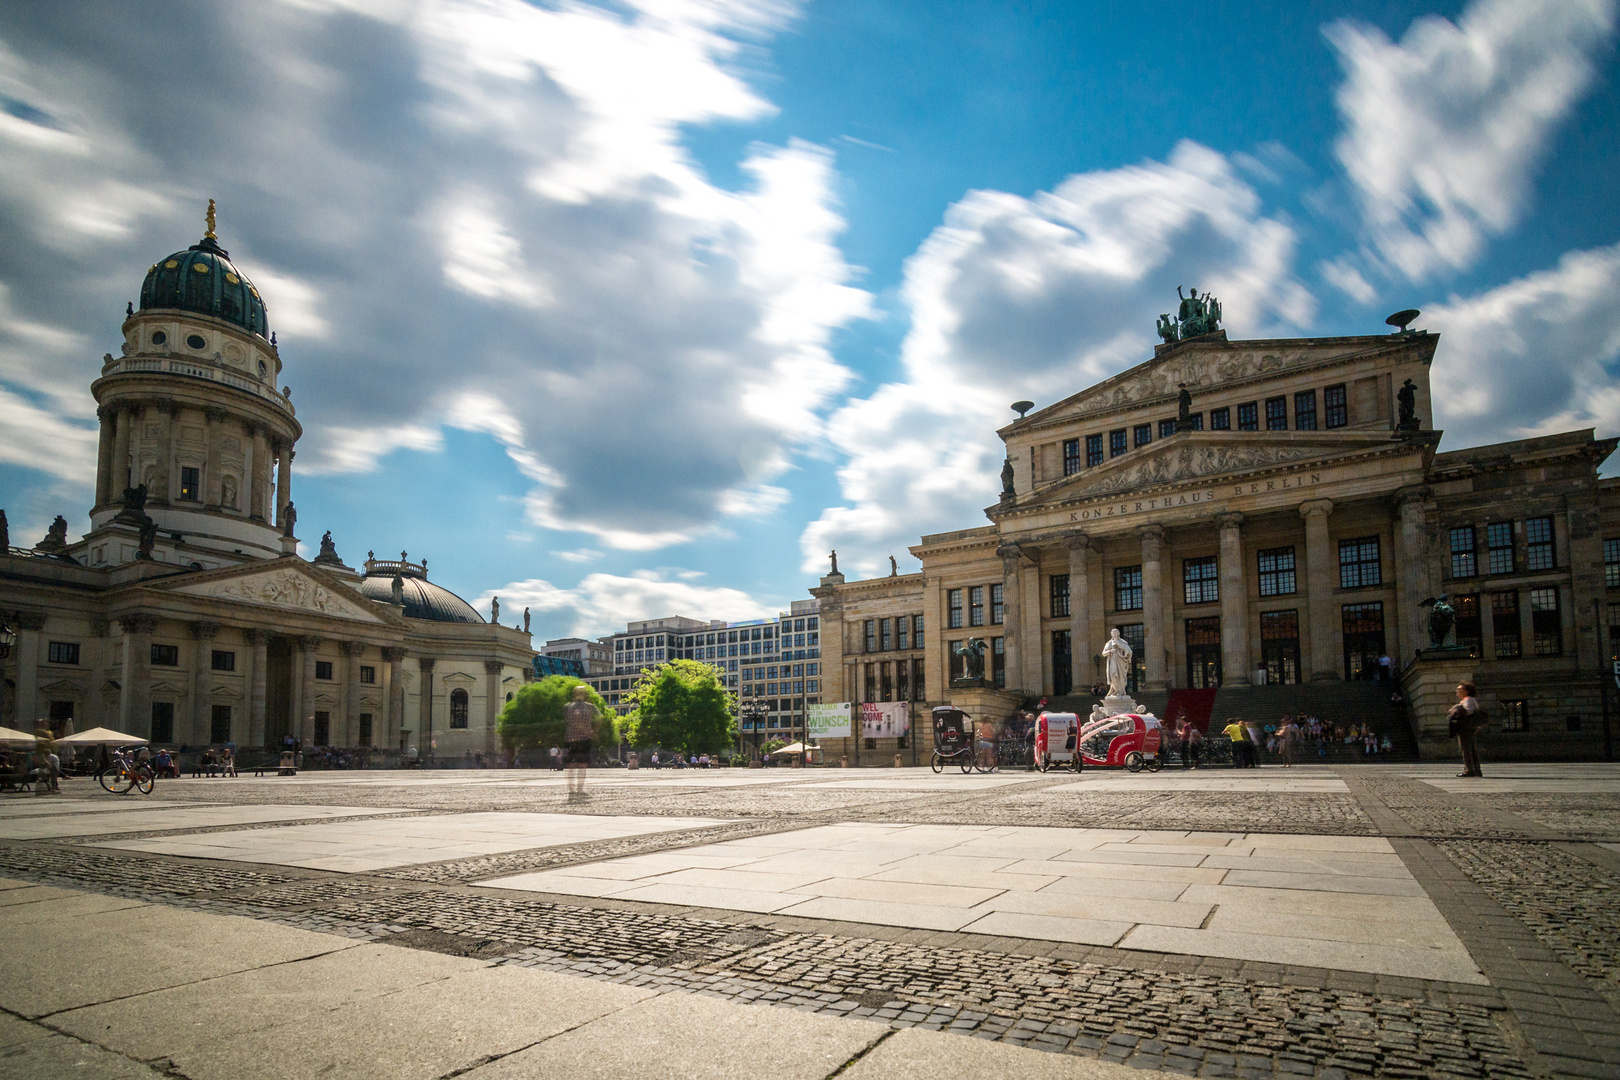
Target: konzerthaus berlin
<point>185,614</point>
<point>1266,518</point>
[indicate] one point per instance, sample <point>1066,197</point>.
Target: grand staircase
<point>1344,703</point>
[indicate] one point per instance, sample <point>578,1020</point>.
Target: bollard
<point>897,761</point>
<point>843,762</point>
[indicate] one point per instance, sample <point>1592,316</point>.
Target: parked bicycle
<point>124,772</point>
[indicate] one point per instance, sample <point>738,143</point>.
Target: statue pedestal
<point>983,700</point>
<point>1113,705</point>
<point>1430,684</point>
<point>289,545</point>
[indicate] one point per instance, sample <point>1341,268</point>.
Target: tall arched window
<point>458,708</point>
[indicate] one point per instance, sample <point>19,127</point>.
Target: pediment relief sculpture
<point>284,588</point>
<point>1182,463</point>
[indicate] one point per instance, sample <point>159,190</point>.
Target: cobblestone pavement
<point>1512,874</point>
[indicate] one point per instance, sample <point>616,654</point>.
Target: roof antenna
<point>1022,407</point>
<point>209,235</point>
<point>1400,319</point>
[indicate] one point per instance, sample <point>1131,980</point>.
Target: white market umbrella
<point>13,737</point>
<point>99,736</point>
<point>791,748</point>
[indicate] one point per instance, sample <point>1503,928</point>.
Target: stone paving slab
<point>17,806</point>
<point>915,1054</point>
<point>386,843</point>
<point>57,1057</point>
<point>139,818</point>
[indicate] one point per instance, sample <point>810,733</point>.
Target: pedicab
<point>1128,739</point>
<point>1056,737</point>
<point>953,739</point>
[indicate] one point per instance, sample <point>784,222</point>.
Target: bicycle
<point>123,773</point>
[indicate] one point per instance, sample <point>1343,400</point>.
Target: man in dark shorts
<point>580,717</point>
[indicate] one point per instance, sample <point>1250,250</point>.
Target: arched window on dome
<point>458,708</point>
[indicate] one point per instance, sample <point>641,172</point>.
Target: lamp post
<point>8,638</point>
<point>753,711</point>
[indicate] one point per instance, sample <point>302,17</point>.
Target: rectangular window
<point>1464,561</point>
<point>1196,420</point>
<point>165,656</point>
<point>219,724</point>
<point>1135,637</point>
<point>1167,428</point>
<point>1363,629</point>
<point>1277,414</point>
<point>162,721</point>
<point>917,687</point>
<point>1505,624</point>
<point>189,486</point>
<point>998,605</point>
<point>323,669</point>
<point>365,729</point>
<point>1538,544</point>
<point>1467,627</point>
<point>1199,580</point>
<point>368,675</point>
<point>1337,405</point>
<point>1062,663</point>
<point>1220,419</point>
<point>976,605</point>
<point>1305,410</point>
<point>885,682</point>
<point>1499,547</point>
<point>871,684</point>
<point>323,728</point>
<point>886,635</point>
<point>998,662</point>
<point>62,652</point>
<point>1060,595</point>
<point>1142,434</point>
<point>1071,456</point>
<point>1611,563</point>
<point>902,633</point>
<point>916,631</point>
<point>1249,417</point>
<point>871,635</point>
<point>1279,646</point>
<point>1277,577</point>
<point>1117,443</point>
<point>902,680</point>
<point>1514,715</point>
<point>1094,450</point>
<point>1359,564</point>
<point>1546,623</point>
<point>1127,588</point>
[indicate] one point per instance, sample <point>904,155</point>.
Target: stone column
<point>104,454</point>
<point>137,697</point>
<point>202,636</point>
<point>1079,546</point>
<point>424,702</point>
<point>258,679</point>
<point>258,475</point>
<point>1011,621</point>
<point>1411,580</point>
<point>124,421</point>
<point>29,625</point>
<point>1154,630</point>
<point>1321,662</point>
<point>165,453</point>
<point>936,672</point>
<point>395,716</point>
<point>284,454</point>
<point>95,707</point>
<point>212,472</point>
<point>1032,647</point>
<point>1235,660</point>
<point>348,731</point>
<point>492,705</point>
<point>306,690</point>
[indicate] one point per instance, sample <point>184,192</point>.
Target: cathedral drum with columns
<point>185,615</point>
<point>1273,522</point>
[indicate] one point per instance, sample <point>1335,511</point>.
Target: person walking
<point>580,718</point>
<point>1240,743</point>
<point>1465,720</point>
<point>1288,741</point>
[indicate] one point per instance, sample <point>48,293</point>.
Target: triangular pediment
<point>1198,456</point>
<point>287,584</point>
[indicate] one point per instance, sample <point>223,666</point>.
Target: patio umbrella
<point>791,748</point>
<point>99,736</point>
<point>13,737</point>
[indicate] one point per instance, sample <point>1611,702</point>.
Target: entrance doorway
<point>278,700</point>
<point>1062,669</point>
<point>61,713</point>
<point>1204,653</point>
<point>1363,640</point>
<point>1279,645</point>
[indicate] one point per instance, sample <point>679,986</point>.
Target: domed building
<point>185,614</point>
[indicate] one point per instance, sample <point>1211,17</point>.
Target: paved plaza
<point>1314,921</point>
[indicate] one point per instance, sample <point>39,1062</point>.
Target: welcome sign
<point>885,719</point>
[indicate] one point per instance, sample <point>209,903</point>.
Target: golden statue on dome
<point>209,234</point>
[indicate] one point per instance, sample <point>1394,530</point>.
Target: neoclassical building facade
<point>185,614</point>
<point>1266,512</point>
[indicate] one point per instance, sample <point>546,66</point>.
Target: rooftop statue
<point>1197,315</point>
<point>1007,478</point>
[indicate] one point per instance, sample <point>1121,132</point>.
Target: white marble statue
<point>1117,652</point>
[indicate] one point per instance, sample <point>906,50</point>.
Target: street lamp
<point>753,711</point>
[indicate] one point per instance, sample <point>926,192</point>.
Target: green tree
<point>681,705</point>
<point>534,717</point>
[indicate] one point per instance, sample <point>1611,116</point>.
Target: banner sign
<point>827,721</point>
<point>885,720</point>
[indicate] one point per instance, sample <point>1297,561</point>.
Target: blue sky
<point>635,309</point>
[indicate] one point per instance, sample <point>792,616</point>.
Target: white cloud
<point>1037,298</point>
<point>578,555</point>
<point>37,438</point>
<point>602,603</point>
<point>1533,356</point>
<point>1444,130</point>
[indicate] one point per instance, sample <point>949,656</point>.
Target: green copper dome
<point>203,279</point>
